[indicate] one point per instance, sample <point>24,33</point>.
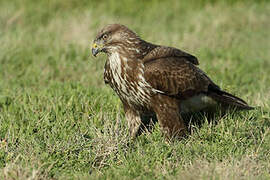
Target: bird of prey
<point>155,79</point>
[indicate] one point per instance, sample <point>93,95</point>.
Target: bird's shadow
<point>197,119</point>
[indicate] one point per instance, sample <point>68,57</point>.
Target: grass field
<point>58,120</point>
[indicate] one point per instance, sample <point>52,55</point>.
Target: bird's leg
<point>134,121</point>
<point>169,118</point>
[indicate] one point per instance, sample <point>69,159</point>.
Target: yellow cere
<point>94,45</point>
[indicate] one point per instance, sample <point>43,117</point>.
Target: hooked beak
<point>96,49</point>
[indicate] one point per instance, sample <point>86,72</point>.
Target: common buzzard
<point>154,79</point>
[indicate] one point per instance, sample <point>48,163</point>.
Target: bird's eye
<point>105,36</point>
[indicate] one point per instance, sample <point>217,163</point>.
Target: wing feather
<point>164,52</point>
<point>176,77</point>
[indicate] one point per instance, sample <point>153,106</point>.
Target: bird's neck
<point>128,57</point>
<point>141,49</point>
<point>132,49</point>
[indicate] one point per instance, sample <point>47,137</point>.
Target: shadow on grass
<point>197,119</point>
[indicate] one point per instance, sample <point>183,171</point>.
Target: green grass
<point>58,120</point>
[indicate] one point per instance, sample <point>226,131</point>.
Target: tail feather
<point>228,99</point>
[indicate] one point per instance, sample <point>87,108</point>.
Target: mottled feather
<point>154,79</point>
<point>176,77</point>
<point>169,52</point>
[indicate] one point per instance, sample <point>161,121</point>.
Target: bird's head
<point>111,37</point>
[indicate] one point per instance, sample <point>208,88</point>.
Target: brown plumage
<point>153,79</point>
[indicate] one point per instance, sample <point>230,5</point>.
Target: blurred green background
<point>58,120</point>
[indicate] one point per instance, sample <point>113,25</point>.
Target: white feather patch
<point>197,103</point>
